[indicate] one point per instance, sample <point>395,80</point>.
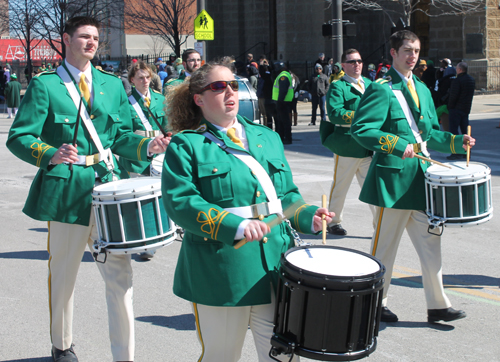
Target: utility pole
<point>337,44</point>
<point>200,7</point>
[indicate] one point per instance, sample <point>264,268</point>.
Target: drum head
<point>157,165</point>
<point>332,261</point>
<point>459,171</point>
<point>128,188</point>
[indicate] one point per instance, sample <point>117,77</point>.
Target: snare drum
<point>328,304</point>
<point>130,216</point>
<point>157,165</point>
<point>460,196</point>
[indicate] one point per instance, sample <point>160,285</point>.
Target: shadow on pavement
<point>40,230</point>
<point>408,324</point>
<point>470,281</point>
<point>34,359</point>
<point>183,322</point>
<point>37,255</point>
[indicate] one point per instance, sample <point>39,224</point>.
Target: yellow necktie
<point>147,102</point>
<point>413,94</point>
<point>84,88</point>
<point>360,84</point>
<point>231,133</point>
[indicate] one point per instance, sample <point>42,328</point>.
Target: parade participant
<point>42,135</point>
<point>283,96</point>
<point>191,60</point>
<point>12,95</point>
<point>142,98</point>
<point>396,119</point>
<point>350,158</point>
<point>212,194</point>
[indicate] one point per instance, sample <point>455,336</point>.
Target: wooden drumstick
<point>274,222</point>
<point>323,218</point>
<point>433,161</point>
<point>468,146</point>
<point>77,123</point>
<point>165,134</point>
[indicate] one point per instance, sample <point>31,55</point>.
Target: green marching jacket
<point>342,100</point>
<point>46,119</point>
<point>199,181</point>
<point>381,126</point>
<point>156,108</point>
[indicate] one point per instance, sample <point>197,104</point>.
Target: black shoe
<point>336,230</point>
<point>68,355</point>
<point>287,142</point>
<point>454,157</point>
<point>387,316</point>
<point>445,315</point>
<point>312,124</point>
<point>147,255</point>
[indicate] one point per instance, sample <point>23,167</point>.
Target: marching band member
<point>42,135</point>
<point>396,119</point>
<point>224,177</point>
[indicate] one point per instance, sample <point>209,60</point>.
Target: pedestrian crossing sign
<point>203,26</point>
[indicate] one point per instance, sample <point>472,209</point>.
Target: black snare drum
<point>328,304</point>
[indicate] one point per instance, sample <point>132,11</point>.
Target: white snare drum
<point>130,216</point>
<point>460,196</point>
<point>157,165</point>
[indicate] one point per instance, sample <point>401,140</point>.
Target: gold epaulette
<point>155,91</point>
<point>46,72</point>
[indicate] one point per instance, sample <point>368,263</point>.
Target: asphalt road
<point>165,329</point>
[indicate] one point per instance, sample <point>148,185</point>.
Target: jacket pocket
<point>277,172</point>
<point>399,123</point>
<point>215,181</point>
<point>387,161</point>
<point>64,125</point>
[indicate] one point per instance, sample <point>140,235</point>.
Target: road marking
<point>465,291</point>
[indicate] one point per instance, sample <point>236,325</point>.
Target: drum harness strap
<point>258,210</point>
<point>140,113</point>
<point>420,146</point>
<point>103,155</point>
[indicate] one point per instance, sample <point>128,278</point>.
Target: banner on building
<point>13,50</point>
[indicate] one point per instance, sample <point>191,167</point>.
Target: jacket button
<point>92,116</point>
<point>423,161</point>
<point>205,239</point>
<point>420,131</point>
<point>214,170</point>
<point>264,240</point>
<point>253,173</point>
<point>261,217</point>
<point>421,117</point>
<point>257,194</point>
<point>66,120</point>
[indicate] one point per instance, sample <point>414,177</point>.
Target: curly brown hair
<point>182,111</point>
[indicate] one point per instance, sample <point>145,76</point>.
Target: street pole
<point>337,46</point>
<point>200,7</point>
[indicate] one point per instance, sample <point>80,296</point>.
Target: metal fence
<point>486,74</point>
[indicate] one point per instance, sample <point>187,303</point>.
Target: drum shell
<point>330,318</point>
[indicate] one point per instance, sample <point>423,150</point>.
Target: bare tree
<point>172,20</point>
<point>24,17</point>
<point>157,45</point>
<point>407,7</point>
<point>58,11</point>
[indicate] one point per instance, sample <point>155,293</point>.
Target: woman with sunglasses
<point>209,190</point>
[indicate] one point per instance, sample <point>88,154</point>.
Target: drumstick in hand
<point>156,121</point>
<point>323,218</point>
<point>77,123</point>
<point>433,161</point>
<point>468,146</point>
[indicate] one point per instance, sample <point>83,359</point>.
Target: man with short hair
<point>191,60</point>
<point>460,102</point>
<point>283,96</point>
<point>350,158</point>
<point>396,119</point>
<point>318,86</point>
<point>42,135</point>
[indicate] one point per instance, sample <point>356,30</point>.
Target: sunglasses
<point>221,85</point>
<point>354,61</point>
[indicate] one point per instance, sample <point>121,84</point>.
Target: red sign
<point>12,49</point>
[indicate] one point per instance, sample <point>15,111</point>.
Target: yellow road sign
<point>203,26</point>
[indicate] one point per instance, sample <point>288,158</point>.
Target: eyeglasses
<point>221,85</point>
<point>194,60</point>
<point>354,61</point>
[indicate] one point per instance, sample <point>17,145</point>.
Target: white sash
<point>256,167</point>
<point>411,121</point>
<point>139,111</point>
<point>75,96</point>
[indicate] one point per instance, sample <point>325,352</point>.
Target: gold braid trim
<point>348,116</point>
<point>452,144</point>
<point>210,222</point>
<point>388,142</point>
<point>296,217</point>
<point>140,147</point>
<point>39,150</point>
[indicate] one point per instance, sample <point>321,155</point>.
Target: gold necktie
<point>360,84</point>
<point>231,133</point>
<point>413,94</point>
<point>84,88</point>
<point>147,102</point>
